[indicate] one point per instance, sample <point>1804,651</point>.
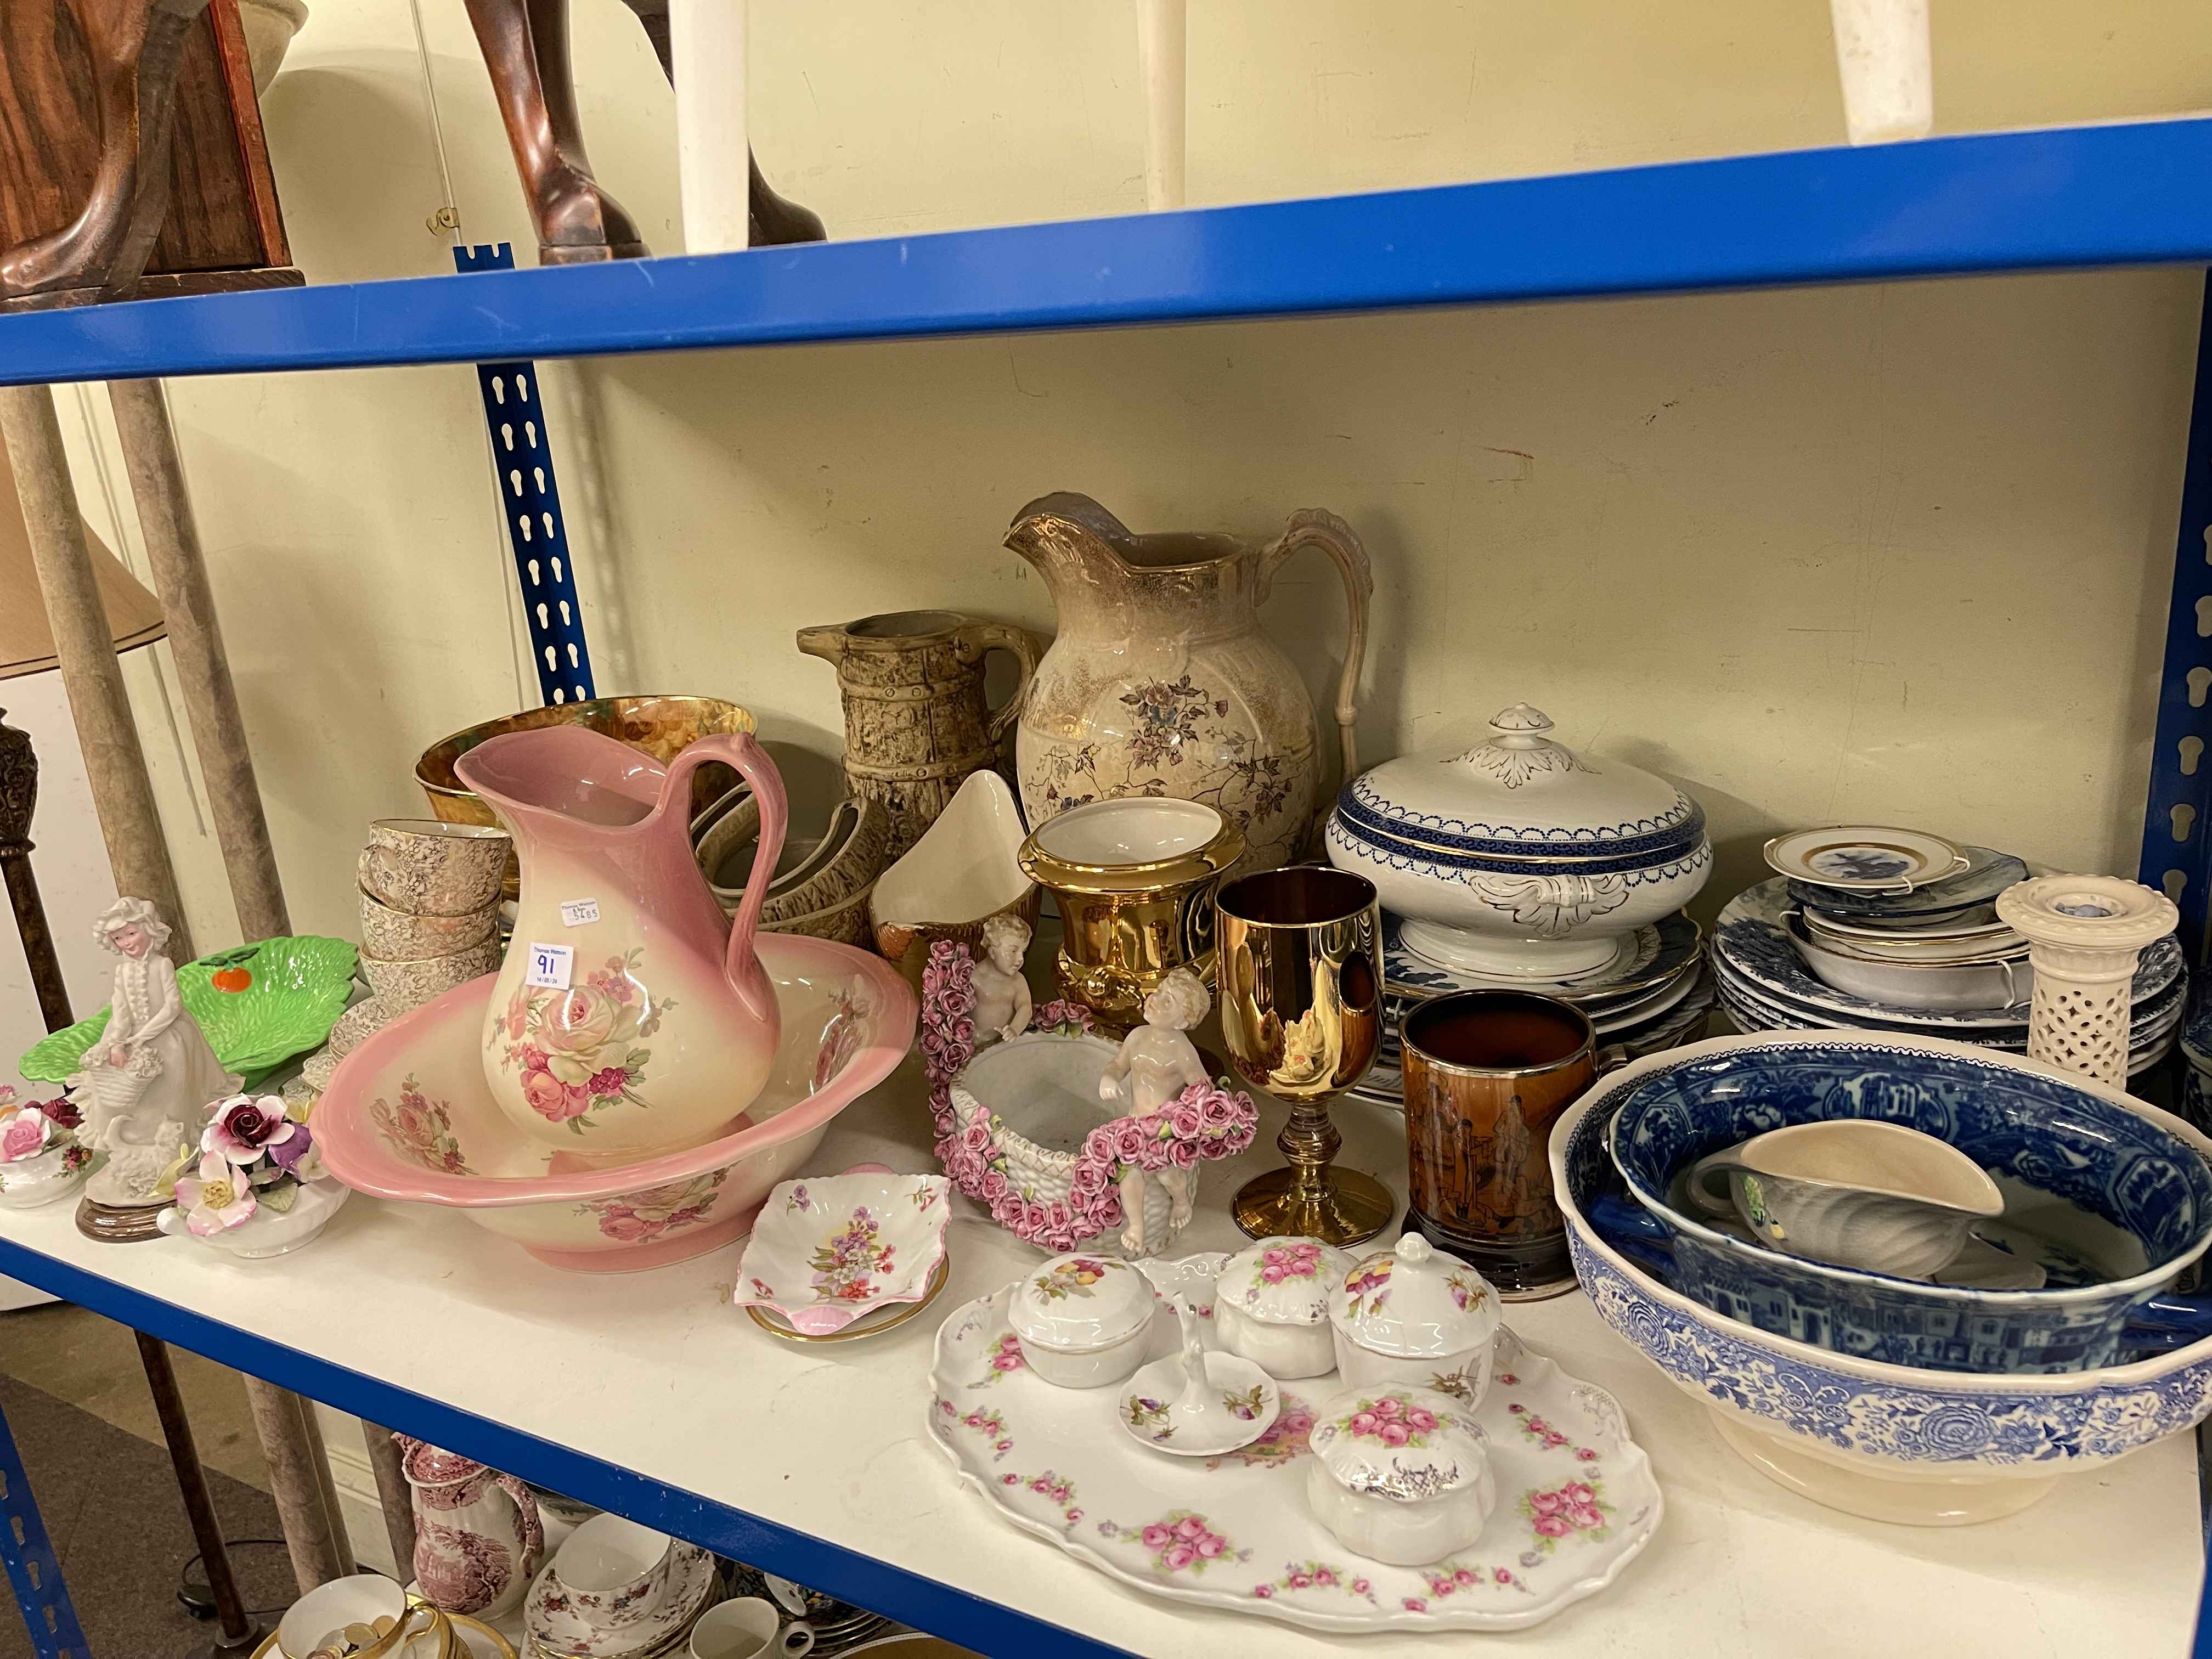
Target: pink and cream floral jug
<point>478,1535</point>
<point>629,1016</point>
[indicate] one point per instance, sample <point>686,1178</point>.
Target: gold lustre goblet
<point>1301,988</point>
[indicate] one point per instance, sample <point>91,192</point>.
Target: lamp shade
<point>27,646</point>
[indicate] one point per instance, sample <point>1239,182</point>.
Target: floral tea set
<point>1349,1444</point>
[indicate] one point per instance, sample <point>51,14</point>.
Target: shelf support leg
<point>181,580</point>
<point>240,1633</point>
<point>392,1489</point>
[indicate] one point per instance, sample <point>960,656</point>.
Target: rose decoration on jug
<point>631,1015</point>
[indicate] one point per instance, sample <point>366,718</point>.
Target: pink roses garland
<point>1205,1122</point>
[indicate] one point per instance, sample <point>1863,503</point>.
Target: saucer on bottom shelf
<point>1577,1497</point>
<point>888,1317</point>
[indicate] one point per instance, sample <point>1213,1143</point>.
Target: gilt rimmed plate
<point>1865,858</point>
<point>1235,1531</point>
<point>1651,956</point>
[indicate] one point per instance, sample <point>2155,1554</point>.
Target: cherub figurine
<point>1002,993</point>
<point>1156,1062</point>
<point>147,1082</point>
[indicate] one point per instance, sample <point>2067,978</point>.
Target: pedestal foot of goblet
<point>1350,1208</point>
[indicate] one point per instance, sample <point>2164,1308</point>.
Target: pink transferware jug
<point>629,1016</point>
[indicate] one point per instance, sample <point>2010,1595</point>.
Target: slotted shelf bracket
<point>2177,847</point>
<point>530,507</point>
<point>33,1573</point>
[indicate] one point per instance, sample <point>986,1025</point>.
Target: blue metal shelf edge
<point>985,1627</point>
<point>2061,198</point>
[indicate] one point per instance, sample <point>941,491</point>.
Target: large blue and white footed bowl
<point>1892,1443</point>
<point>2127,1196</point>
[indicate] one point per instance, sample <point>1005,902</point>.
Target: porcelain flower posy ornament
<point>41,1157</point>
<point>255,1184</point>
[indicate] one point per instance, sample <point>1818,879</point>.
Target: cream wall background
<point>1897,551</point>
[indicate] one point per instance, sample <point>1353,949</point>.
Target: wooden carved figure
<point>136,47</point>
<point>525,47</point>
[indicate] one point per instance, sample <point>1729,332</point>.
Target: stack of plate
<point>1654,994</point>
<point>1759,953</point>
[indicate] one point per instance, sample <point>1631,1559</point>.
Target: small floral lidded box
<point>1271,1305</point>
<point>1082,1320</point>
<point>1400,1475</point>
<point>828,1249</point>
<point>1412,1316</point>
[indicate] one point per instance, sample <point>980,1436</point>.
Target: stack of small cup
<point>429,921</point>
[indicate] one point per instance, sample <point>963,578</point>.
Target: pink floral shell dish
<point>831,1249</point>
<point>408,1116</point>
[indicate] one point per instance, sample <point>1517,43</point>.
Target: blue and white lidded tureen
<point>1518,857</point>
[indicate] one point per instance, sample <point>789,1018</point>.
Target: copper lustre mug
<point>1488,1074</point>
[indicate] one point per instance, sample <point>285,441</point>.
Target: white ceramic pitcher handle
<point>1313,527</point>
<point>741,964</point>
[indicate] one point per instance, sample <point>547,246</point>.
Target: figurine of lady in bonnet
<point>148,1080</point>
<point>1002,992</point>
<point>1156,1062</point>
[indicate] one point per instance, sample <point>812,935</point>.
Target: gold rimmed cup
<point>1300,978</point>
<point>1135,880</point>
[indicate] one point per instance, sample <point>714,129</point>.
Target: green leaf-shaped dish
<point>293,992</point>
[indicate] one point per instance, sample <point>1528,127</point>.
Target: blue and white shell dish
<point>1892,1443</point>
<point>1519,858</point>
<point>2101,1180</point>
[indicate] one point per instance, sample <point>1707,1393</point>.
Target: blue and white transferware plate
<point>1751,942</point>
<point>1988,873</point>
<point>1865,858</point>
<point>2197,1033</point>
<point>1895,1444</point>
<point>1651,957</point>
<point>2149,1042</point>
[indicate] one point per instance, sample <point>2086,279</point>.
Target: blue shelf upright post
<point>530,507</point>
<point>33,1573</point>
<point>2177,845</point>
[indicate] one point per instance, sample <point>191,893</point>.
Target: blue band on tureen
<point>1646,841</point>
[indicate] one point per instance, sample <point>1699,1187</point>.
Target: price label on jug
<point>549,966</point>
<point>578,912</point>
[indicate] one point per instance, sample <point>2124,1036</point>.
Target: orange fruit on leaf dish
<point>231,979</point>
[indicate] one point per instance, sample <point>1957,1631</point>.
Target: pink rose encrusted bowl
<point>408,1116</point>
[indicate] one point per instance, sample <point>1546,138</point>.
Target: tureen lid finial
<point>1521,717</point>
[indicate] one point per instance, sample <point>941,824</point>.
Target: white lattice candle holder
<point>2084,933</point>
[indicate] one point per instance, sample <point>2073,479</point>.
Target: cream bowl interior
<point>1134,830</point>
<point>964,867</point>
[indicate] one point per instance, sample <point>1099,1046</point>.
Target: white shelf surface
<point>668,1396</point>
